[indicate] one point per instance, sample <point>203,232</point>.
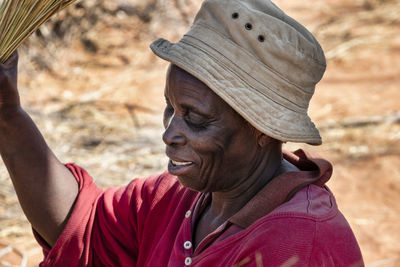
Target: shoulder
<point>312,202</point>
<point>313,210</point>
<point>150,189</point>
<point>158,183</point>
<point>310,228</point>
<point>161,187</point>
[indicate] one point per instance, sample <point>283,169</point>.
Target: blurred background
<point>95,90</point>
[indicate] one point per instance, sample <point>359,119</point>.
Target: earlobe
<point>263,140</point>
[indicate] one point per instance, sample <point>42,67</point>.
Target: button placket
<point>187,245</point>
<point>188,213</point>
<point>188,261</point>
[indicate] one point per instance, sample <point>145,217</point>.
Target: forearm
<point>45,187</point>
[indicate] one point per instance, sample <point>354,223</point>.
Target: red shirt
<point>292,221</point>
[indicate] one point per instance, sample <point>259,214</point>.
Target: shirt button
<point>188,261</point>
<point>187,245</point>
<point>188,213</point>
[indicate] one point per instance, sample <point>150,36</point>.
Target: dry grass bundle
<point>20,18</point>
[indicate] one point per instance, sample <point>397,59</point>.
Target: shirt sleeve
<point>102,229</point>
<point>72,245</point>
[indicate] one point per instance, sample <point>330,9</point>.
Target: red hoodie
<point>292,221</point>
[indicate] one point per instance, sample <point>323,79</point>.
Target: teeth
<point>181,163</point>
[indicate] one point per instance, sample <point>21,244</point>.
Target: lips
<point>180,163</point>
<point>177,166</point>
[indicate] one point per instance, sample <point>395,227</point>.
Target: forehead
<point>182,85</point>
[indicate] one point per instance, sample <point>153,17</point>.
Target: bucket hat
<point>259,60</point>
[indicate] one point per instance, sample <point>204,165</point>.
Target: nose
<point>173,134</point>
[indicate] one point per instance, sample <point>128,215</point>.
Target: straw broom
<point>20,18</point>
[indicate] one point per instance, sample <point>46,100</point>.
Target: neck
<point>267,165</point>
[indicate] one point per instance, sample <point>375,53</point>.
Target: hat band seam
<point>275,132</point>
<point>164,52</point>
<point>244,81</point>
<point>301,109</point>
<point>257,61</point>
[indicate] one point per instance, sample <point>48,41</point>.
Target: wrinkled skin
<point>213,149</point>
<point>201,128</point>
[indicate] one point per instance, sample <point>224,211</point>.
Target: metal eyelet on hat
<point>248,26</point>
<point>261,38</point>
<point>235,15</point>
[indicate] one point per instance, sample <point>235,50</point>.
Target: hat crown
<point>287,47</point>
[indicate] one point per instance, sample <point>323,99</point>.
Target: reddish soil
<point>120,103</point>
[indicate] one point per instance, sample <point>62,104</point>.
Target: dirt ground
<point>102,110</point>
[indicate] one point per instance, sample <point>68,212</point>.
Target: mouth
<point>179,167</point>
<point>180,163</point>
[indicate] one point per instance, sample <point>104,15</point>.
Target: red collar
<point>313,170</point>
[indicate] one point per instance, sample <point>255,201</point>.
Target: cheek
<point>234,151</point>
<point>210,150</point>
<point>210,154</point>
<point>211,142</point>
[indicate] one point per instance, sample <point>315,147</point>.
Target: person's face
<point>211,148</point>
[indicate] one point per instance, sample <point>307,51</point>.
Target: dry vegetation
<point>90,82</point>
<point>19,19</point>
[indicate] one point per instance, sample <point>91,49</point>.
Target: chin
<point>191,184</point>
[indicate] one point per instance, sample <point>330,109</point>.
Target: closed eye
<point>196,120</point>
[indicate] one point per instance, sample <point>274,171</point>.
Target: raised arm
<point>45,187</point>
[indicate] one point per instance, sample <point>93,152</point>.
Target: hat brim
<point>259,110</point>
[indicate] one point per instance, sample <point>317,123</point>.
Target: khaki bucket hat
<point>260,61</point>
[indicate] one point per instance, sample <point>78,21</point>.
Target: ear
<point>263,140</point>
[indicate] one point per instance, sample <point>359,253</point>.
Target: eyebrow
<point>193,95</point>
<point>196,110</point>
<point>188,105</point>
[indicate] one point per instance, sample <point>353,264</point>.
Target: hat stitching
<point>303,90</point>
<point>288,137</point>
<point>245,82</point>
<point>172,54</point>
<point>264,83</point>
<point>249,85</point>
<point>310,56</point>
<point>254,119</point>
<point>275,132</point>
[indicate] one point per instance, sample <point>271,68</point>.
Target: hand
<point>9,97</point>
